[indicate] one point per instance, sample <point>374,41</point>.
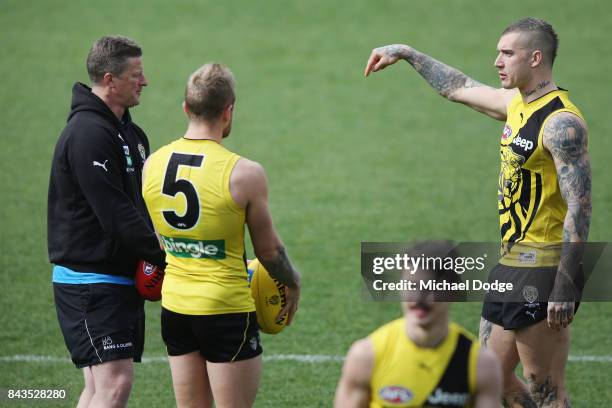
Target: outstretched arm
<point>449,82</point>
<point>565,137</point>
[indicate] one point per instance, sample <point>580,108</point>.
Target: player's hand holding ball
<point>293,297</point>
<point>275,303</point>
<point>149,279</point>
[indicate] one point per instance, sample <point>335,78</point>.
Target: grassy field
<point>348,159</point>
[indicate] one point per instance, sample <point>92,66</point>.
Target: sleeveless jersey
<point>186,189</point>
<point>406,375</point>
<point>531,208</point>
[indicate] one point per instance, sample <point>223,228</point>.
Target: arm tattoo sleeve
<point>443,78</point>
<point>485,331</point>
<point>281,269</point>
<point>566,140</point>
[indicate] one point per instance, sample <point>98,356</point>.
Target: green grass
<point>348,159</point>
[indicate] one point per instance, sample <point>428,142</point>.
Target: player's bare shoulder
<point>248,178</point>
<point>362,352</point>
<point>359,362</point>
<point>565,134</point>
<point>354,387</point>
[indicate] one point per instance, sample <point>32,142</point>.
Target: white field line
<point>299,358</point>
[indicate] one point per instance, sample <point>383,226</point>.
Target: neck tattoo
<point>540,86</point>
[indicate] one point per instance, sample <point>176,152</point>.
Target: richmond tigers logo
<point>517,202</point>
<point>510,178</point>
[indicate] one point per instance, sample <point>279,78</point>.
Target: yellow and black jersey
<point>531,208</point>
<point>405,375</point>
<point>186,190</point>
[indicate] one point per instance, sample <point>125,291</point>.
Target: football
<point>269,296</point>
<point>149,279</point>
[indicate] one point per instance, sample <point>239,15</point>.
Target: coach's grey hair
<point>109,54</point>
<point>542,36</point>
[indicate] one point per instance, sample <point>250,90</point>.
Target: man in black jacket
<point>98,226</point>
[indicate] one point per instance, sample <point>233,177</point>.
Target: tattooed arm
<point>249,188</point>
<point>486,327</point>
<point>565,137</point>
<point>449,82</point>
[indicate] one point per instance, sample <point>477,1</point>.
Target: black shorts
<point>100,322</point>
<point>527,303</point>
<point>219,338</point>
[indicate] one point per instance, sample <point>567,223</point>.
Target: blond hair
<point>209,91</point>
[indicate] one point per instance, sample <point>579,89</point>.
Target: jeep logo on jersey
<point>440,397</point>
<point>193,248</point>
<point>507,132</point>
<point>395,394</point>
<point>524,143</point>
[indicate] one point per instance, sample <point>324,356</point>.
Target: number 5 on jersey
<point>172,186</point>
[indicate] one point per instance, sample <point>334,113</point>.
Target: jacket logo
<point>143,153</point>
<point>128,158</point>
<point>103,165</point>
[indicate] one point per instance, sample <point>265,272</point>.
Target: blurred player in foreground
<point>544,201</point>
<point>421,360</point>
<point>199,196</point>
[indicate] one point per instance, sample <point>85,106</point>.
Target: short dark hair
<point>110,54</point>
<point>209,91</point>
<point>542,36</point>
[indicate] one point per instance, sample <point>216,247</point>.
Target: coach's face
<point>127,86</point>
<point>513,61</point>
